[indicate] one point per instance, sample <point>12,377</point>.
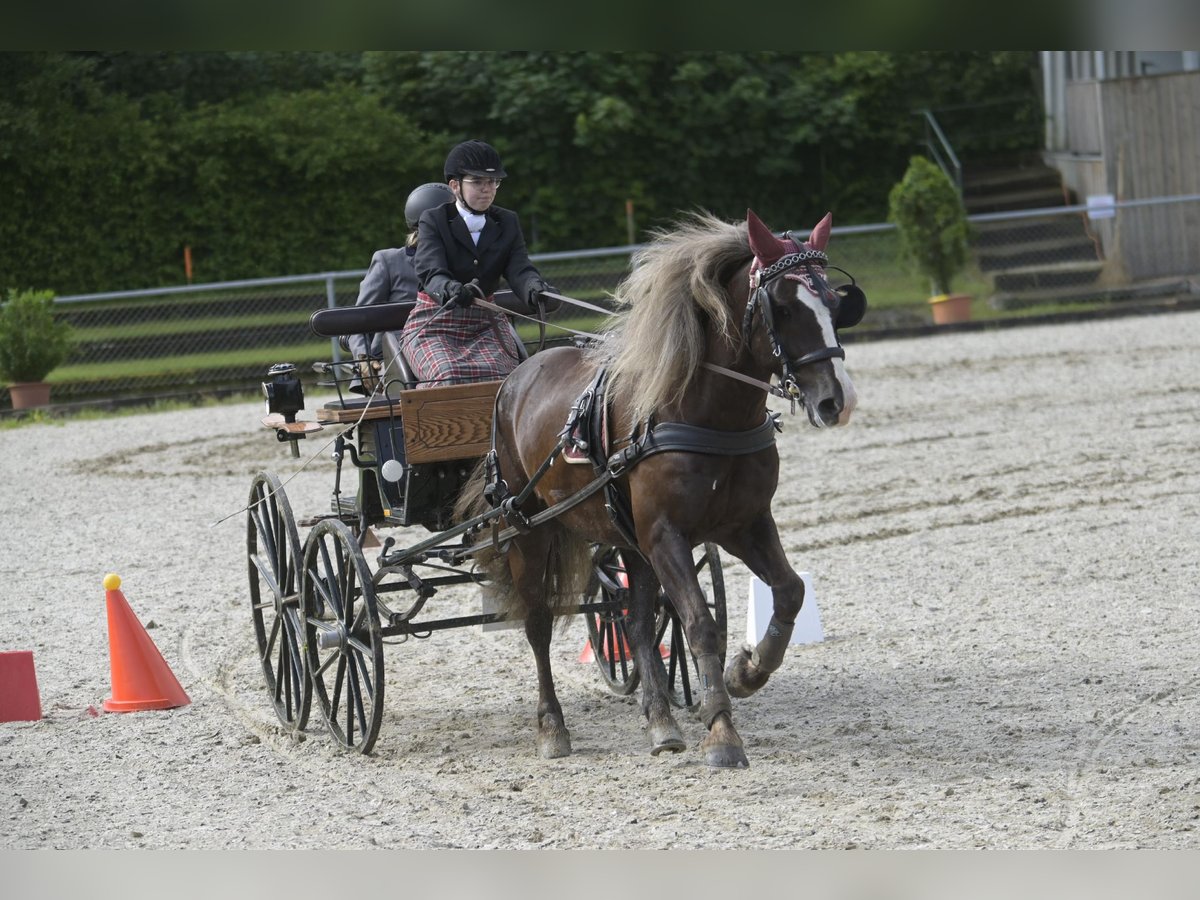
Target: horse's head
<point>794,315</point>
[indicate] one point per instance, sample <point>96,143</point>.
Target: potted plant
<point>32,343</point>
<point>934,234</point>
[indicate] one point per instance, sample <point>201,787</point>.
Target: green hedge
<point>111,163</point>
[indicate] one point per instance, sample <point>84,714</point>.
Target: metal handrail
<point>943,154</point>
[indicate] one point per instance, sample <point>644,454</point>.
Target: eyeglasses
<point>482,182</point>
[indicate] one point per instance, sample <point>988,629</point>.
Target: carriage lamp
<point>283,390</point>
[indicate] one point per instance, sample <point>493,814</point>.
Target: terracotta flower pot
<point>950,308</point>
<point>28,394</point>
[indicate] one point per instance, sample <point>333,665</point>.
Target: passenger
<point>463,249</point>
<point>391,277</point>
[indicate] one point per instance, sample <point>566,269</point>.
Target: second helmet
<point>427,196</point>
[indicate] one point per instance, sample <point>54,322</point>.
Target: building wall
<point>1151,139</point>
<point>1135,137</point>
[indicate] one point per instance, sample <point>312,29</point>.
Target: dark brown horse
<point>704,303</point>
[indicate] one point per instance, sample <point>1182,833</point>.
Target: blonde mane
<point>657,337</point>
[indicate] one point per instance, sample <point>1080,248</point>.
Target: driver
<point>464,247</point>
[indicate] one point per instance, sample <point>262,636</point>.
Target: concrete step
<point>1034,253</point>
<point>1020,198</point>
<point>1068,226</point>
<point>1052,276</point>
<point>993,181</point>
<point>1155,290</point>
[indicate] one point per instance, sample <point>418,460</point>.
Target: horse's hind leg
<point>760,549</point>
<point>643,593</point>
<point>529,557</point>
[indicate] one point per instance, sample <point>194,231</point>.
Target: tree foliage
<point>268,163</point>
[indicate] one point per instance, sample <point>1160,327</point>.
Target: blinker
<point>852,306</point>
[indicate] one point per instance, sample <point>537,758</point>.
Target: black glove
<point>457,293</point>
<point>537,292</point>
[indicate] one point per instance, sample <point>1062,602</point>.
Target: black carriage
<point>323,605</point>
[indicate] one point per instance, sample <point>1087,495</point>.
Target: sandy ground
<point>1004,549</point>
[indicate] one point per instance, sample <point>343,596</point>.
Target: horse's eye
<point>782,312</point>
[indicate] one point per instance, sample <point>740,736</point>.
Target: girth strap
<point>681,437</point>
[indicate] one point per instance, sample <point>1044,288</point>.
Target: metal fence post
<point>331,301</point>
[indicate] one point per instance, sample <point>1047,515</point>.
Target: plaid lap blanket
<point>453,345</point>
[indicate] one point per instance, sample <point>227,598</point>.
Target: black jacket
<point>445,252</point>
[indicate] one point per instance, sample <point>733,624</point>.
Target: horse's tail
<point>568,558</point>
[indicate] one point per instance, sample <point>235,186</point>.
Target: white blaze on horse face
<point>849,394</point>
<point>807,294</point>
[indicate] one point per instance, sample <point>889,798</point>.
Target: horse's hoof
<point>670,739</point>
<point>726,756</point>
<point>554,744</point>
<point>742,677</point>
<point>666,737</point>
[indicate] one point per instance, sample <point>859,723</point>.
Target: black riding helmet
<point>427,196</point>
<point>474,158</point>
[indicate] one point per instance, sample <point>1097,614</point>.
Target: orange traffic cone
<point>19,701</point>
<point>141,678</point>
<point>586,655</point>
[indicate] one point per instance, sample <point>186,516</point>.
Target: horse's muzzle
<point>835,407</point>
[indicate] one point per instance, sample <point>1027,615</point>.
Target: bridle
<point>760,277</point>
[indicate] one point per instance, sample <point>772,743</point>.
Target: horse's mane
<point>657,337</point>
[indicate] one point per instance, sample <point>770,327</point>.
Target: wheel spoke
<point>322,590</point>
<point>280,677</point>
<point>355,709</point>
<point>292,637</point>
<point>339,678</point>
<point>268,651</point>
<point>333,657</point>
<point>359,662</point>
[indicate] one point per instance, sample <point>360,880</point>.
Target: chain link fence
<point>221,338</point>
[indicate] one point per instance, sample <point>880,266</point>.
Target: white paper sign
<point>1101,206</point>
<point>761,604</point>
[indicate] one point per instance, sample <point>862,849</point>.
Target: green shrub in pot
<point>931,222</point>
<point>33,342</point>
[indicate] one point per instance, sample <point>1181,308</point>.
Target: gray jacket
<point>390,278</point>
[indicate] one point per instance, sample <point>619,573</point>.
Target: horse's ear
<point>820,235</point>
<point>763,243</point>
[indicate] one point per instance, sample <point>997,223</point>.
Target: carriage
<point>322,609</point>
<point>474,465</point>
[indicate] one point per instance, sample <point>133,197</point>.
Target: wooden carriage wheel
<point>273,555</point>
<point>342,635</point>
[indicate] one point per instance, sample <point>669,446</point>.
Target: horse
<point>708,313</point>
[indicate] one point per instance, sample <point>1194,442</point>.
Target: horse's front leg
<point>759,548</point>
<point>528,558</point>
<point>671,557</point>
<point>643,596</point>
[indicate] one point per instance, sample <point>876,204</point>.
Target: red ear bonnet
<point>820,235</point>
<point>768,248</point>
<point>763,243</point>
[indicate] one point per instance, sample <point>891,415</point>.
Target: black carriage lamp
<point>284,392</point>
<point>285,398</point>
